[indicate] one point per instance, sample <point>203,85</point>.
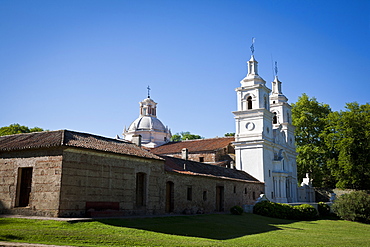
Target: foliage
<point>348,138</point>
<point>354,206</point>
<point>230,134</point>
<point>304,212</point>
<point>183,136</point>
<point>237,210</point>
<point>17,129</point>
<point>323,208</point>
<point>285,211</point>
<point>308,116</point>
<point>201,230</point>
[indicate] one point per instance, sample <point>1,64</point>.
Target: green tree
<point>17,129</point>
<point>230,134</point>
<point>182,136</point>
<point>348,138</point>
<point>308,116</point>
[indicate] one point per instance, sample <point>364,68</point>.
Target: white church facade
<point>264,138</point>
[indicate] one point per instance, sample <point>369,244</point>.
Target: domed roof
<point>147,123</point>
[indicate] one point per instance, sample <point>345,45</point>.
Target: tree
<point>17,129</point>
<point>230,134</point>
<point>348,138</point>
<point>308,115</point>
<point>182,136</point>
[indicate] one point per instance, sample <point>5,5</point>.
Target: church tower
<point>150,129</point>
<point>254,135</point>
<point>264,138</point>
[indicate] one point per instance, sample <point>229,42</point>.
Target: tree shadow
<point>218,227</point>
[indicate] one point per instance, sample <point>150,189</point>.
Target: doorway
<point>24,187</point>
<point>219,198</point>
<point>170,200</point>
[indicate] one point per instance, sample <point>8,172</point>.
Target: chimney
<point>184,153</point>
<point>136,139</point>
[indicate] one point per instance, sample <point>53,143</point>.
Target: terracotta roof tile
<point>196,168</point>
<point>73,139</point>
<point>193,146</point>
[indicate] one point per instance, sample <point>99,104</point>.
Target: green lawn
<point>202,230</point>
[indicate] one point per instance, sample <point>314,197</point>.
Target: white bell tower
<point>264,137</point>
<point>254,135</point>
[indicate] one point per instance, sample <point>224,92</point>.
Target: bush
<point>305,212</point>
<point>237,210</point>
<point>354,206</point>
<point>323,208</point>
<point>285,211</point>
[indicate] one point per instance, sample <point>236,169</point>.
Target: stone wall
<point>236,192</point>
<point>43,199</point>
<point>93,177</point>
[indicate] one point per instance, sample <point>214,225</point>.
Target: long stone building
<point>65,174</point>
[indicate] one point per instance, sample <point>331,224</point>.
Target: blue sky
<point>84,65</point>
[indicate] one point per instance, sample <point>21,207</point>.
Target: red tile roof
<point>201,169</point>
<point>194,146</point>
<point>71,139</point>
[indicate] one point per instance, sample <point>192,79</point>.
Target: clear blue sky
<point>85,65</point>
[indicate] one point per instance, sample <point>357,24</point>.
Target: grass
<point>202,230</point>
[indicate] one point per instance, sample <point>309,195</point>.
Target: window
<point>140,189</point>
<point>245,190</point>
<point>205,195</point>
<point>249,102</point>
<point>201,159</point>
<point>254,195</point>
<point>189,195</point>
<point>274,118</point>
<point>234,189</point>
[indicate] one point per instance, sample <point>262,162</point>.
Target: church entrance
<point>219,198</point>
<point>24,186</point>
<point>170,200</point>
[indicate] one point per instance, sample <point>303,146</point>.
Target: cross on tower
<point>252,46</point>
<point>148,91</point>
<point>276,68</point>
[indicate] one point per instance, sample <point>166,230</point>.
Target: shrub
<point>323,208</point>
<point>354,206</point>
<point>285,211</point>
<point>237,210</point>
<point>305,212</point>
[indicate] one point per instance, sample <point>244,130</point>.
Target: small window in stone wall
<point>245,190</point>
<point>201,159</point>
<point>204,195</point>
<point>234,189</point>
<point>189,193</point>
<point>254,195</point>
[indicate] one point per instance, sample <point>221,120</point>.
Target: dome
<point>147,123</point>
<point>152,131</point>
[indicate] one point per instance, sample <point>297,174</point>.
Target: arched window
<point>287,117</point>
<point>249,102</point>
<point>274,118</point>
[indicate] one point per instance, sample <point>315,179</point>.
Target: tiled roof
<point>72,139</point>
<point>193,146</point>
<point>201,169</point>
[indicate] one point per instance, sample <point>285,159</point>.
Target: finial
<point>252,46</point>
<point>276,68</point>
<point>148,91</point>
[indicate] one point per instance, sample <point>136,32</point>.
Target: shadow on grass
<point>219,227</point>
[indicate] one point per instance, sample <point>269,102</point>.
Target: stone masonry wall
<point>245,193</point>
<point>90,176</point>
<point>45,187</point>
